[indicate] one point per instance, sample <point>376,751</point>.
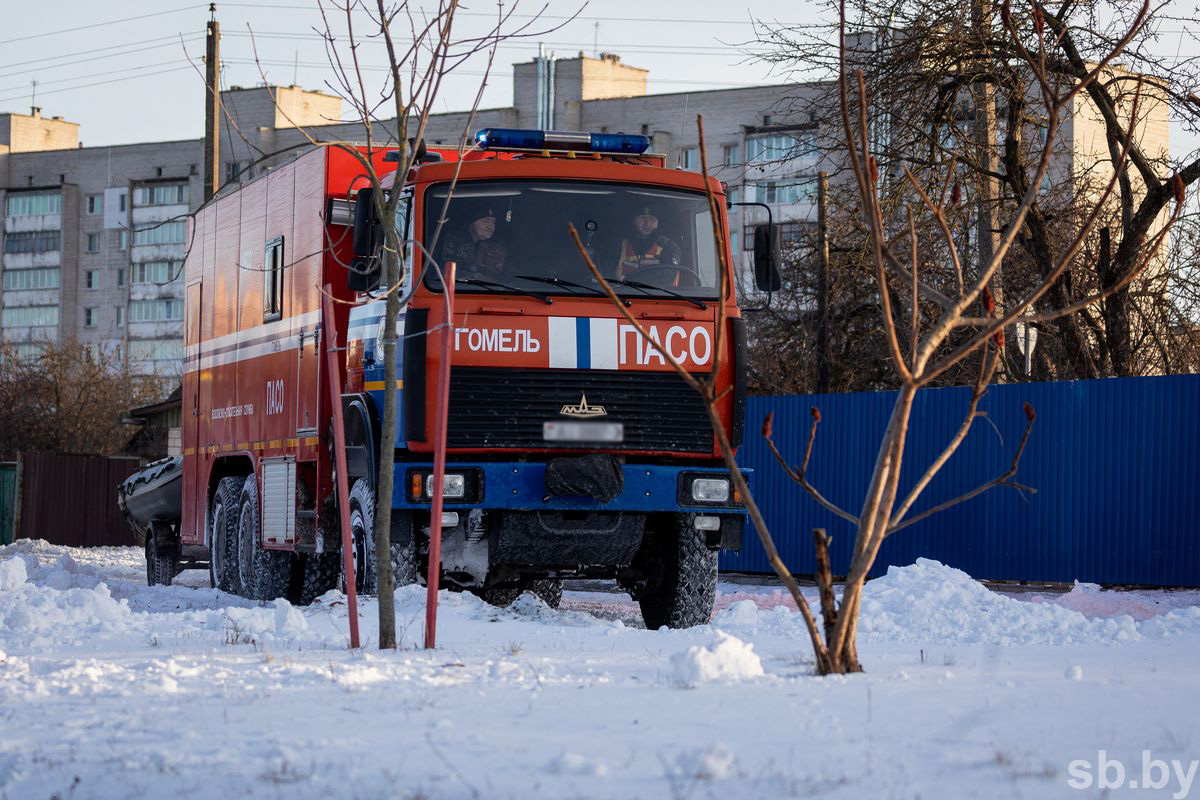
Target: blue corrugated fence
<point>1113,462</point>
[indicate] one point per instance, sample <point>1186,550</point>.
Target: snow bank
<point>930,602</point>
<point>726,659</point>
<point>12,574</point>
<point>1092,601</point>
<point>42,616</point>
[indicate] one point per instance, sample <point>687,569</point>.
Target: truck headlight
<point>710,490</point>
<point>452,486</point>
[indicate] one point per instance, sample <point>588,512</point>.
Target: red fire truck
<point>573,449</point>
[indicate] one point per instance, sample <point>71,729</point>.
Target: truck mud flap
<point>566,538</point>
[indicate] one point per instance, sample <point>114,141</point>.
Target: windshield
<point>511,236</point>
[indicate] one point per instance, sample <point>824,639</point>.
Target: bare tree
<point>966,326</point>
<point>68,398</point>
<point>935,69</point>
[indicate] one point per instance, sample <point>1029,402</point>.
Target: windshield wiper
<point>504,286</point>
<point>570,284</point>
<point>644,286</point>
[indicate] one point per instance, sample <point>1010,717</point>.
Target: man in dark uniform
<point>646,247</point>
<point>474,247</point>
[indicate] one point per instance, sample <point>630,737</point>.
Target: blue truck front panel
<point>521,485</point>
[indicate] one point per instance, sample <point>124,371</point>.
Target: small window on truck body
<point>273,280</point>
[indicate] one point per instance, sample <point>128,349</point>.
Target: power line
<point>544,16</point>
<point>98,83</point>
<point>100,24</point>
<point>73,78</point>
<point>473,73</point>
<point>174,40</point>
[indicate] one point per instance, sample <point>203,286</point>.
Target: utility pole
<point>212,106</point>
<point>824,355</point>
<point>986,236</point>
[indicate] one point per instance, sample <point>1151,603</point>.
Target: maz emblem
<point>583,409</point>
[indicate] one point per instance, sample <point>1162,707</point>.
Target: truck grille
<point>506,408</point>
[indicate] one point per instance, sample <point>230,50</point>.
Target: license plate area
<point>583,432</point>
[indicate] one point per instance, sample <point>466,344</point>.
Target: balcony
<point>50,258</point>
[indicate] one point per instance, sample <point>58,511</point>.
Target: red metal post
<point>329,326</point>
<point>439,465</point>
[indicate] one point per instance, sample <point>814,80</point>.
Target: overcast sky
<point>120,70</point>
<point>124,76</point>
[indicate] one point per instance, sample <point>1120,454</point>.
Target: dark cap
<point>645,211</point>
<point>482,212</point>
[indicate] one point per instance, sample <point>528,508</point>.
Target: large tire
<point>263,574</point>
<point>321,573</point>
<point>550,590</point>
<point>682,585</point>
<point>362,535</point>
<point>405,566</point>
<point>499,596</point>
<point>162,557</point>
<point>222,535</point>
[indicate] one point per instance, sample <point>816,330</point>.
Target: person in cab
<point>475,247</point>
<point>645,247</point>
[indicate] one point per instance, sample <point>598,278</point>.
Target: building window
<point>23,204</point>
<point>168,310</point>
<point>27,351</point>
<point>89,318</point>
<point>20,279</point>
<point>155,349</point>
<point>801,189</point>
<point>239,171</point>
<point>29,316</point>
<point>164,233</point>
<point>781,146</point>
<point>122,237</point>
<point>120,278</point>
<point>171,194</point>
<point>121,202</point>
<point>273,280</point>
<point>689,158</point>
<point>93,243</point>
<point>91,279</point>
<point>95,203</point>
<point>729,155</point>
<point>120,316</point>
<point>33,241</point>
<point>159,272</point>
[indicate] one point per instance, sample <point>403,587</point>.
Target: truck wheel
<point>162,558</point>
<point>222,535</point>
<point>263,574</point>
<point>404,554</point>
<point>362,535</point>
<point>550,590</point>
<point>499,596</point>
<point>682,586</point>
<point>321,573</point>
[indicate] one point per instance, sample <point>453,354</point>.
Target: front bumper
<point>521,485</point>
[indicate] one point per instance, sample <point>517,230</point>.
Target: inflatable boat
<point>153,494</point>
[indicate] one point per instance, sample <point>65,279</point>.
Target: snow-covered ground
<point>109,688</point>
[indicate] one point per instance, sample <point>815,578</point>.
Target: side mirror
<point>365,269</point>
<point>766,258</point>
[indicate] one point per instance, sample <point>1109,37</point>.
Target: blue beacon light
<point>529,139</point>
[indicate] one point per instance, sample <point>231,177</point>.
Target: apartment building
<point>94,237</point>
